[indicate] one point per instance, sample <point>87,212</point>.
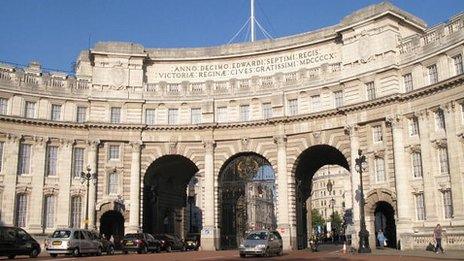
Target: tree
<point>316,218</point>
<point>337,222</point>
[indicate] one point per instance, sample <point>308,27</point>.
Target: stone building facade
<point>154,123</point>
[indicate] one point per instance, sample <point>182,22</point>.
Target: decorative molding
<point>67,142</point>
<point>209,145</point>
<point>395,121</point>
<point>50,190</point>
<point>23,189</point>
<point>380,153</point>
<point>13,137</point>
<point>245,143</point>
<point>280,140</point>
<point>413,148</point>
<point>94,144</point>
<point>351,130</point>
<point>77,191</point>
<point>40,141</point>
<point>136,145</point>
<point>439,143</point>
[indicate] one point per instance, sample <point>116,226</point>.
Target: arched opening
<point>384,219</point>
<point>247,197</point>
<point>166,195</point>
<point>112,225</point>
<point>306,166</point>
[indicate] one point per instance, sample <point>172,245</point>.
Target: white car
<point>72,241</point>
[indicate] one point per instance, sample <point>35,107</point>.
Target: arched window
<point>113,183</point>
<point>49,211</point>
<point>76,207</point>
<point>21,210</point>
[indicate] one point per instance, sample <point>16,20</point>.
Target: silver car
<point>261,243</point>
<point>73,241</point>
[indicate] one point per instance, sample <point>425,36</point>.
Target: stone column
<point>64,173</point>
<point>10,169</point>
<point>38,175</point>
<point>134,214</point>
<point>210,234</point>
<point>283,209</point>
<point>353,229</point>
<point>92,162</point>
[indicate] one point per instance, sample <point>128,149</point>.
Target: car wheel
<point>76,252</point>
<point>110,250</point>
<point>144,250</point>
<point>125,252</point>
<point>11,256</point>
<point>99,251</point>
<point>34,253</point>
<point>281,252</point>
<point>158,249</point>
<point>53,255</point>
<point>183,249</point>
<point>168,249</point>
<point>242,255</point>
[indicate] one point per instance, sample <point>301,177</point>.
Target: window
<point>316,102</point>
<point>49,211</point>
<point>292,107</point>
<point>76,211</point>
<point>150,116</point>
<point>29,109</point>
<point>413,126</point>
<point>21,210</point>
<point>416,164</point>
<point>113,152</point>
<point>113,183</point>
<point>195,115</point>
<point>24,159</point>
<point>379,165</point>
<point>433,74</point>
<point>244,112</point>
<point>52,156</point>
<point>172,116</point>
<point>370,87</point>
<point>56,112</point>
<point>1,155</point>
<point>458,66</point>
<point>420,206</point>
<point>81,114</point>
<point>3,106</point>
<point>377,133</point>
<point>78,162</point>
<point>448,203</point>
<point>115,114</point>
<point>408,85</point>
<point>443,160</point>
<point>221,114</point>
<point>338,99</point>
<point>440,119</point>
<point>267,110</point>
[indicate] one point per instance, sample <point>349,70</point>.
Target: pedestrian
<point>437,233</point>
<point>381,238</point>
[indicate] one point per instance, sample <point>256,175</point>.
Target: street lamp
<point>87,177</point>
<point>361,166</point>
<point>332,202</point>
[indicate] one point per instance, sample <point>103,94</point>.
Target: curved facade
<point>157,126</point>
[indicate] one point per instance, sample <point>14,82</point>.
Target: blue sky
<point>54,32</point>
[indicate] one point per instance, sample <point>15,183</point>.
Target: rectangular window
<point>221,114</point>
<point>370,87</point>
<point>408,85</point>
<point>458,66</point>
<point>443,158</point>
<point>24,159</point>
<point>49,210</point>
<point>21,210</point>
<point>433,74</point>
<point>3,106</point>
<point>56,112</point>
<point>150,115</point>
<point>267,110</point>
<point>315,102</point>
<point>379,164</point>
<point>113,183</point>
<point>52,158</point>
<point>440,119</point>
<point>115,115</point>
<point>448,203</point>
<point>417,164</point>
<point>292,107</point>
<point>413,126</point>
<point>377,133</point>
<point>76,212</point>
<point>78,162</point>
<point>81,114</point>
<point>195,115</point>
<point>338,95</point>
<point>1,155</point>
<point>244,112</point>
<point>172,116</point>
<point>420,206</point>
<point>113,152</point>
<point>29,109</point>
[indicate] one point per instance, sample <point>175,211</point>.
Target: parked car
<point>170,242</point>
<point>73,241</point>
<point>14,241</point>
<point>108,246</point>
<point>192,242</point>
<point>140,242</point>
<point>261,243</point>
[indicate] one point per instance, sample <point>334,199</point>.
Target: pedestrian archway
<point>384,219</point>
<point>112,225</point>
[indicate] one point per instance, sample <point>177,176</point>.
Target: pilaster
<point>92,163</point>
<point>210,234</point>
<point>352,131</point>
<point>64,174</point>
<point>134,214</point>
<point>10,166</point>
<point>38,174</point>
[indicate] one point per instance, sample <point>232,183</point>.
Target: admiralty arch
<point>219,140</point>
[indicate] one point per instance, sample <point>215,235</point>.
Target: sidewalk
<point>452,254</point>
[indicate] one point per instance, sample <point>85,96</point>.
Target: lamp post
<point>86,177</point>
<point>332,202</point>
<point>361,166</point>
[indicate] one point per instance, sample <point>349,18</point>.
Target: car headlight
<point>260,246</point>
<point>241,246</point>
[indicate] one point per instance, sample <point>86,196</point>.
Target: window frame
<point>115,114</point>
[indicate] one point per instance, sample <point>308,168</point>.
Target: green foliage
<point>337,222</point>
<point>316,218</point>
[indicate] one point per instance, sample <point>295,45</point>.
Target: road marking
<point>211,257</point>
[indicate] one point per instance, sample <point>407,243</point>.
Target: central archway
<point>306,165</point>
<point>165,195</point>
<point>247,196</point>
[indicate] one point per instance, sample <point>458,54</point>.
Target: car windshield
<point>138,236</point>
<point>257,236</point>
<point>61,234</point>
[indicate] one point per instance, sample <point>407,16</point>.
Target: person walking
<point>381,238</point>
<point>437,233</point>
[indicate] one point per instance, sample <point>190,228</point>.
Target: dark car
<point>140,243</point>
<point>170,242</point>
<point>108,246</point>
<point>192,242</point>
<point>15,241</point>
